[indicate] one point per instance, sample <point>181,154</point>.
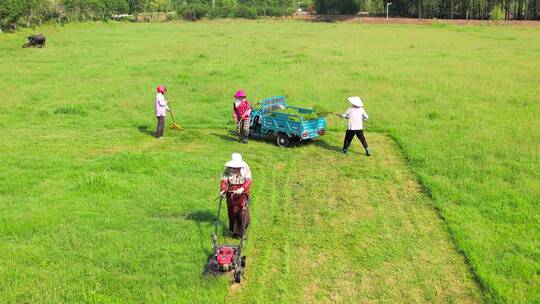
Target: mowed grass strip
<point>350,229</point>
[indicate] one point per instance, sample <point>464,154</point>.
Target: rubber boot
<point>367,152</point>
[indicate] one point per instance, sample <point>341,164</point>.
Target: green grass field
<point>94,209</point>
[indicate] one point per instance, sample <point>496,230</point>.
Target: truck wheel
<point>243,261</point>
<point>283,140</point>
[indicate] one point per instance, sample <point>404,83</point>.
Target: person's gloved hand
<point>221,193</point>
<point>343,115</point>
<point>239,191</point>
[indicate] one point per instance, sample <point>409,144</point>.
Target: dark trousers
<point>238,211</point>
<point>160,126</point>
<point>350,135</point>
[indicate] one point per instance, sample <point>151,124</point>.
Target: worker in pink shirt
<point>161,109</point>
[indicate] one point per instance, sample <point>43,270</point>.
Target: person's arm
<point>346,114</point>
<point>162,102</point>
<point>246,107</point>
<point>246,186</point>
<point>224,184</point>
<point>234,113</point>
<point>248,112</point>
<point>246,172</point>
<point>364,115</point>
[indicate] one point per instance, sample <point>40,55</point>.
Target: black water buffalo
<point>35,41</point>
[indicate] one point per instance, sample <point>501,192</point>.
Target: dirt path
<point>381,20</point>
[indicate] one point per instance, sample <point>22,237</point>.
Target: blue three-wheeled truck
<point>288,128</point>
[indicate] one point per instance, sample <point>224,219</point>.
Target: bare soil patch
<point>382,20</point>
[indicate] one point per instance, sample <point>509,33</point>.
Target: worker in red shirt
<point>241,112</point>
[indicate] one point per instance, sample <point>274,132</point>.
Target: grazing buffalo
<point>35,41</point>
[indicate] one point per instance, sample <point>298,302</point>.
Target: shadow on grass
<point>230,137</point>
<point>205,216</point>
<point>201,216</point>
<point>323,144</point>
<point>271,140</point>
<point>144,129</point>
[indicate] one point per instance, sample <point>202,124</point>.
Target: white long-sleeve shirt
<point>161,105</point>
<point>356,117</point>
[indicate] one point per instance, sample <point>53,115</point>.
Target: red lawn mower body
<point>225,256</point>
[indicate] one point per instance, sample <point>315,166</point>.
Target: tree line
<point>442,9</point>
<point>32,12</point>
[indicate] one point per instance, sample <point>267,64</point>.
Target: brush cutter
<point>175,125</point>
<point>225,258</point>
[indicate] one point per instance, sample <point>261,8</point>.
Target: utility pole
<point>387,5</point>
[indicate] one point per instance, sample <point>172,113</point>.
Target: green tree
<point>10,12</point>
<point>349,7</point>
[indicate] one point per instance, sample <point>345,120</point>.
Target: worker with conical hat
<point>356,115</point>
<point>235,184</point>
<point>241,113</point>
<point>161,108</point>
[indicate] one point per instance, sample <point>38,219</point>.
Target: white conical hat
<point>356,101</point>
<point>236,161</point>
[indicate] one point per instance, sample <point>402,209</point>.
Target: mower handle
<point>221,195</point>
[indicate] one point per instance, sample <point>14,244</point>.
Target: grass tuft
<point>70,110</point>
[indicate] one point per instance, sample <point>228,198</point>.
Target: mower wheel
<point>283,140</point>
<point>243,261</point>
<point>238,275</point>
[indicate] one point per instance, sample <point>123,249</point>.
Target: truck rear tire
<point>283,140</point>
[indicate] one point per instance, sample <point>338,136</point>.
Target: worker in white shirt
<point>356,116</point>
<point>161,109</point>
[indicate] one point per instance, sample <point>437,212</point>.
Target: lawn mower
<point>226,258</point>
